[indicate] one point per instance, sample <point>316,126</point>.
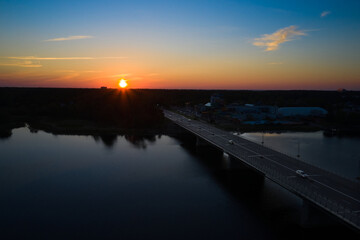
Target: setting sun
<point>123,83</point>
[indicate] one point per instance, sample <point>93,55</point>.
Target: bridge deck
<point>334,194</point>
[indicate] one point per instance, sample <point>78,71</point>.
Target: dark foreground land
<point>77,111</point>
<point>94,111</point>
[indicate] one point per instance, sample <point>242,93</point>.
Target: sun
<point>123,83</point>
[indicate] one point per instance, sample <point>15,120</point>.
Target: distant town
<point>239,116</point>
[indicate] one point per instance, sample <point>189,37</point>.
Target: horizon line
<point>186,89</point>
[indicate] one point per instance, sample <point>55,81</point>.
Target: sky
<point>187,44</point>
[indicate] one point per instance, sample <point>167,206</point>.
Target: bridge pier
<point>230,162</point>
<point>201,142</point>
<point>241,176</point>
<point>205,148</point>
<point>235,163</point>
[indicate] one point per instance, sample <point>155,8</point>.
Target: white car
<point>231,141</point>
<point>301,173</point>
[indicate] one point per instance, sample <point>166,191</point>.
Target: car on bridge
<point>302,174</point>
<point>231,141</point>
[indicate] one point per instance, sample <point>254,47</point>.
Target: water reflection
<point>139,141</point>
<point>108,140</point>
<point>34,130</point>
<point>238,180</point>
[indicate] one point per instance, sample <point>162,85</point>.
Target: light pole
<point>298,155</point>
<point>262,138</point>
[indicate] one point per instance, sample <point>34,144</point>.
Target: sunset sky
<point>250,44</point>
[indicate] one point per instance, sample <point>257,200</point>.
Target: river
<point>138,187</point>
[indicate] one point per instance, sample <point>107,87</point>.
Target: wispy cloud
<point>75,71</point>
<point>275,63</point>
<point>272,41</point>
<point>68,38</point>
<point>92,71</point>
<point>34,62</point>
<point>111,57</point>
<point>26,64</point>
<point>325,13</point>
<point>121,75</point>
<point>52,58</point>
<point>62,58</point>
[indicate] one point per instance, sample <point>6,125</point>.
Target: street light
<point>298,155</point>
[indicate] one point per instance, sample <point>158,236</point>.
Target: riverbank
<point>81,127</point>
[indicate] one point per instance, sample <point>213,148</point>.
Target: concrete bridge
<point>331,193</point>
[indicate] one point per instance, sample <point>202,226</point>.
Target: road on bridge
<point>333,193</point>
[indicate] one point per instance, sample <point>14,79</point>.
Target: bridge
<point>327,191</point>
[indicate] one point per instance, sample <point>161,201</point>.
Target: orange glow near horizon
<point>123,83</point>
<point>246,75</point>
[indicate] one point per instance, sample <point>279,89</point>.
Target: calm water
<point>133,187</point>
<point>338,155</point>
